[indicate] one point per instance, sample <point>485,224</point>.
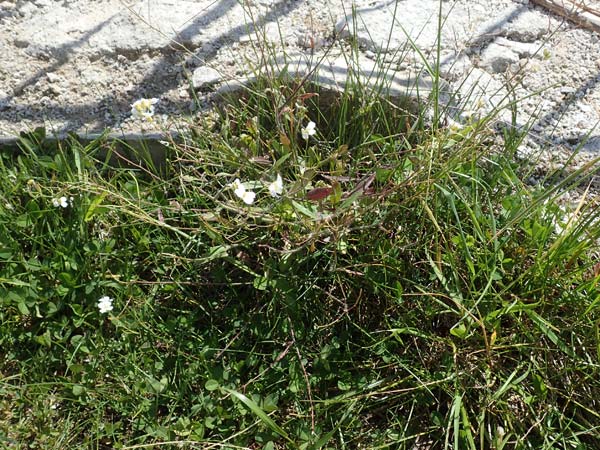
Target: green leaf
<point>22,306</point>
<point>67,279</point>
<point>540,387</point>
<point>254,408</point>
<point>546,328</point>
<point>78,390</point>
<point>211,385</point>
<point>94,205</point>
<point>217,251</point>
<point>343,386</point>
<point>158,386</point>
<point>261,283</point>
<point>307,211</point>
<point>459,330</point>
<point>14,282</point>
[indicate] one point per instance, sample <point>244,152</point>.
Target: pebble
<point>205,76</point>
<point>52,77</point>
<point>496,58</point>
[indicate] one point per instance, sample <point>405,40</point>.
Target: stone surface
<point>389,26</point>
<point>481,93</point>
<point>332,75</point>
<point>78,65</point>
<point>205,76</point>
<point>529,26</point>
<point>523,49</point>
<point>105,27</point>
<point>496,58</point>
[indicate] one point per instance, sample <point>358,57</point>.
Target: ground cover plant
<point>289,278</point>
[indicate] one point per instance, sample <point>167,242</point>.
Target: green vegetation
<point>406,290</point>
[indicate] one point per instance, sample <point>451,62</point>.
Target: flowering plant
<point>105,304</point>
<point>241,192</point>
<point>143,108</point>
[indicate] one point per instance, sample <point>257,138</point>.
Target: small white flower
<point>105,304</point>
<point>248,197</point>
<point>63,201</point>
<point>240,191</point>
<point>143,108</point>
<point>276,187</point>
<point>454,125</point>
<point>309,130</point>
<point>238,187</point>
<point>302,168</point>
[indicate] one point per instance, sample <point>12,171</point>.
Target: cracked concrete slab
<point>78,65</point>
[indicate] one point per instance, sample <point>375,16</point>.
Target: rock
<point>504,53</point>
<point>204,77</point>
<point>497,25</point>
<point>231,88</point>
<point>43,3</point>
<point>7,9</point>
<point>27,9</point>
<point>591,145</point>
<point>528,26</point>
<point>481,93</point>
<point>453,66</point>
<point>382,27</point>
<point>91,76</point>
<point>523,49</point>
<point>131,30</point>
<point>3,99</point>
<point>53,90</point>
<point>110,52</point>
<point>52,77</point>
<point>497,58</point>
<point>309,41</point>
<point>407,88</point>
<point>273,33</point>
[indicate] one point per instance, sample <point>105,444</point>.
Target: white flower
<point>240,190</point>
<point>143,108</point>
<point>63,201</point>
<point>309,130</point>
<point>276,187</point>
<point>238,187</point>
<point>105,304</point>
<point>248,197</point>
<point>453,125</point>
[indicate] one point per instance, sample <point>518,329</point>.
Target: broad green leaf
<point>211,385</point>
<point>459,330</point>
<point>77,390</point>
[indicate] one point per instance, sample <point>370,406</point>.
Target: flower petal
<point>276,187</point>
<point>248,197</point>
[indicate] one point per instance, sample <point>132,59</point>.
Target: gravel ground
<point>78,65</point>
